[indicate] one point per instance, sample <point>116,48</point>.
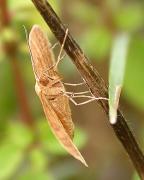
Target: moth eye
<point>43,81</point>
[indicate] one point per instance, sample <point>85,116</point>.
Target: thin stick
<point>94,82</point>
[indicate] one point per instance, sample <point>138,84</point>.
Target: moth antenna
<point>61,49</point>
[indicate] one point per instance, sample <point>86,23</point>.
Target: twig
<point>94,82</point>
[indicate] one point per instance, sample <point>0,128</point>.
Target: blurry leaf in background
<point>24,10</point>
<point>116,72</point>
<point>17,139</point>
<point>130,17</point>
<point>8,104</point>
<point>134,77</point>
<point>8,36</point>
<point>96,43</point>
<point>36,176</point>
<point>113,4</point>
<point>19,135</point>
<point>85,12</point>
<point>10,158</point>
<point>135,176</point>
<point>96,39</point>
<point>39,160</point>
<point>51,144</point>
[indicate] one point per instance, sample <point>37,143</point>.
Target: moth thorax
<point>44,81</point>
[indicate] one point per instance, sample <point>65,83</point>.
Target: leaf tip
<point>113,118</point>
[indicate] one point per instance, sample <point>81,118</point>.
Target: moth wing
<point>61,107</point>
<point>59,130</point>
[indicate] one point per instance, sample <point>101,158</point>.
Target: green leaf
<point>21,4</point>
<point>19,135</point>
<point>117,71</point>
<point>36,176</point>
<point>10,158</point>
<point>96,43</point>
<point>24,10</point>
<point>79,9</point>
<point>129,17</point>
<point>135,177</point>
<point>38,159</point>
<point>8,104</point>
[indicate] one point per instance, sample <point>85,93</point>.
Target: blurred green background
<point>28,149</point>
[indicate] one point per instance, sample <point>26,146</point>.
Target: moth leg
<point>60,56</point>
<point>77,93</point>
<point>71,97</point>
<point>61,49</point>
<point>77,84</point>
<point>53,46</point>
<point>82,103</point>
<point>90,97</point>
<point>87,96</point>
<point>81,94</point>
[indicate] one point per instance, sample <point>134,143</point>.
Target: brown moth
<point>50,90</point>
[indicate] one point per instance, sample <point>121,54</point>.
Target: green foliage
<point>36,175</point>
<point>79,10</point>
<point>96,42</point>
<point>17,139</point>
<point>19,135</point>
<point>38,159</point>
<point>7,98</point>
<point>129,17</point>
<point>22,11</point>
<point>135,176</point>
<point>10,158</point>
<point>16,145</point>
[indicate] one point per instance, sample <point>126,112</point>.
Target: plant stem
<point>5,16</point>
<point>21,94</point>
<point>94,82</point>
<point>11,49</point>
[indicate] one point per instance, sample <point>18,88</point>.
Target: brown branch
<point>94,82</point>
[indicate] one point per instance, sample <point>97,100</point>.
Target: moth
<point>50,90</point>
